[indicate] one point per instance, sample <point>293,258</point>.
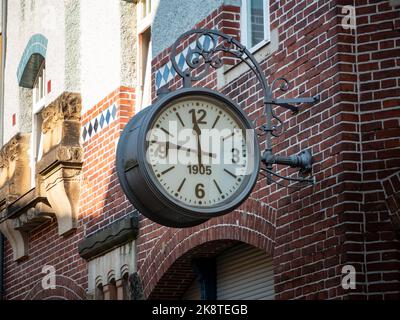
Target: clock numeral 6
<point>195,169</point>
<point>199,190</point>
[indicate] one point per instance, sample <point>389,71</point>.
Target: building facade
<point>75,72</point>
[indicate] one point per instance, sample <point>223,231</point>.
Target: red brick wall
<point>391,187</point>
<point>102,199</point>
<point>378,67</point>
<point>102,202</point>
<point>354,136</point>
<point>353,133</point>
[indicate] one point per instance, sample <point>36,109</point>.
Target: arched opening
<point>222,270</point>
<point>32,60</point>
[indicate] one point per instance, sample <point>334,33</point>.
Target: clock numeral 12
<point>200,120</point>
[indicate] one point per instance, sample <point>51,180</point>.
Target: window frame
<point>244,27</point>
<point>39,88</point>
<point>144,23</point>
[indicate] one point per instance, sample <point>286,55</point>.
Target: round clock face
<point>198,151</point>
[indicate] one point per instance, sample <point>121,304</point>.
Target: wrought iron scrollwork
<point>208,50</point>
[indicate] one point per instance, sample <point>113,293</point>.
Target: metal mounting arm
<point>303,160</point>
<point>208,50</point>
<point>289,103</point>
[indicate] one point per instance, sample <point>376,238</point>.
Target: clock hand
<point>179,147</point>
<point>196,129</point>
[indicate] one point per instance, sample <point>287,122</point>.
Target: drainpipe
<point>3,60</point>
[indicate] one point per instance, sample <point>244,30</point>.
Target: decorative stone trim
<point>114,235</point>
<point>58,173</point>
<point>111,253</point>
<point>113,266</point>
<point>99,123</point>
<point>15,177</point>
<point>18,239</point>
<point>394,3</point>
<point>22,216</point>
<point>29,211</point>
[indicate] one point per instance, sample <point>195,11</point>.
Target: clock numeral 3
<point>235,155</point>
<point>199,190</point>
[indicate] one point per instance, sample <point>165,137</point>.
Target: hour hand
<point>170,145</point>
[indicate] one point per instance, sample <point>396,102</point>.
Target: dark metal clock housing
<point>144,190</point>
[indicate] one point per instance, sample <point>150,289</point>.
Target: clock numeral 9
<point>162,150</point>
<point>199,191</point>
<point>195,169</point>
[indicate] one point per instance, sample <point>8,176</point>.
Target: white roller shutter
<point>245,273</point>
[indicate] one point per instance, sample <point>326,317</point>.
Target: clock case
<point>142,188</point>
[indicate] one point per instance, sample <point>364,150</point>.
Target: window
<point>38,95</point>
<point>145,18</point>
<point>145,8</point>
<point>144,72</point>
<point>255,30</point>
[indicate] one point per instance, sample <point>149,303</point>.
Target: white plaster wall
<point>26,18</point>
<point>101,50</point>
<point>174,17</point>
<point>91,50</point>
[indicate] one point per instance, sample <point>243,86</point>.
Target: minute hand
<point>197,129</point>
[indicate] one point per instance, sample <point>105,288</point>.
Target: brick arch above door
<point>253,223</point>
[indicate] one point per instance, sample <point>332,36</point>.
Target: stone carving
<point>61,121</point>
<point>25,214</point>
<point>59,170</point>
<point>15,179</point>
<point>15,175</point>
<point>114,265</point>
<point>17,239</point>
<point>57,176</point>
<point>33,217</point>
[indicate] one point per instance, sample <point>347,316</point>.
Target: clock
<point>191,156</point>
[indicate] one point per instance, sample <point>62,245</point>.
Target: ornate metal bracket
<point>208,50</point>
